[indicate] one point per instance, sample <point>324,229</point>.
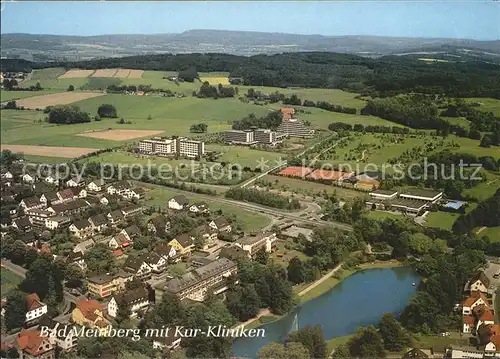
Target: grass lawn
<point>380,215</point>
<point>484,190</point>
<point>287,254</point>
<point>335,342</point>
<point>245,156</point>
<point>45,159</point>
<point>470,146</point>
<point>9,281</point>
<point>309,188</point>
<point>487,104</point>
<point>438,343</point>
<point>250,221</point>
<point>442,220</point>
<point>492,232</point>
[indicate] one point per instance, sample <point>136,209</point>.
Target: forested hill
<point>383,76</point>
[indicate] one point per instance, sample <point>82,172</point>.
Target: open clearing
<point>119,135</point>
<point>76,73</point>
<point>62,152</point>
<point>105,73</point>
<point>135,74</point>
<point>63,98</point>
<point>9,281</point>
<point>122,73</point>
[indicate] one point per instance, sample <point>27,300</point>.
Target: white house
<point>51,179</point>
<point>27,178</point>
<point>169,342</point>
<point>35,308</point>
<point>199,208</point>
<point>473,301</point>
<point>253,244</point>
<point>57,222</point>
<point>486,317</point>
<point>178,202</point>
<point>97,185</point>
<point>7,175</point>
<point>98,222</point>
<point>137,266</point>
<point>75,182</point>
<point>79,192</point>
<point>81,228</point>
<point>62,335</point>
<point>479,283</point>
<point>220,224</point>
<point>468,324</point>
<point>157,262</point>
<point>136,300</point>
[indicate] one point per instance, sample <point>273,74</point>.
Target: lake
<point>359,300</point>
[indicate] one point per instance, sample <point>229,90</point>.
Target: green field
<point>9,281</point>
<point>309,188</point>
<point>470,146</point>
<point>442,220</point>
<point>245,156</point>
<point>17,95</point>
<point>380,215</point>
<point>250,221</point>
<point>487,104</point>
<point>484,190</point>
<point>492,232</point>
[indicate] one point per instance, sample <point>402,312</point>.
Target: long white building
<point>172,146</point>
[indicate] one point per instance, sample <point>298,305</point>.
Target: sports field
<point>61,98</point>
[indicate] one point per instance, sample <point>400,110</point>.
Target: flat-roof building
<point>294,128</point>
<point>384,194</point>
<point>239,137</point>
<point>172,146</point>
<point>422,195</point>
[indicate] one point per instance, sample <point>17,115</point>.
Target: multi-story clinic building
<point>171,146</point>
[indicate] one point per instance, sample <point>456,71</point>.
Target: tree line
<point>261,197</point>
<point>487,213</point>
<point>342,126</point>
<point>385,76</point>
<point>270,121</point>
<point>208,91</point>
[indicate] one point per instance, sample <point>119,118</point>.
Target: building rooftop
<point>426,193</point>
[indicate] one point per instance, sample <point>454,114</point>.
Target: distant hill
<point>77,48</point>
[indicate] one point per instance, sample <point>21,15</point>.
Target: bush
<point>107,110</point>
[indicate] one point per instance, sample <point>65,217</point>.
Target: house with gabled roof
<point>31,344</point>
<point>78,192</point>
<point>178,202</point>
<point>28,178</point>
<point>136,300</point>
<point>115,217</point>
<point>156,261</point>
<point>98,222</point>
<point>167,251</point>
<point>34,307</point>
<point>468,324</point>
<point>475,299</point>
<point>71,207</point>
<point>76,181</point>
<point>206,233</point>
<point>84,246</point>
<point>484,315</point>
<point>77,258</point>
<point>136,193</point>
<point>60,335</point>
<point>22,224</point>
<point>221,224</point>
<point>89,313</point>
<point>137,266</point>
<point>184,243</point>
<point>159,224</point>
<point>252,244</point>
<point>31,203</point>
<point>50,196</point>
<point>65,195</point>
<point>132,211</point>
<point>96,185</point>
<point>171,341</point>
<point>81,228</point>
<point>52,179</point>
<point>479,282</point>
<point>199,207</point>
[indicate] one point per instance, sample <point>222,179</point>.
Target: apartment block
<point>172,146</point>
<point>294,128</point>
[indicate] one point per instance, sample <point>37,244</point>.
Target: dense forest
<point>385,76</point>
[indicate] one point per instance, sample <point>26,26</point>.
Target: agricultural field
<point>215,78</point>
<point>62,98</point>
<point>118,134</point>
<point>47,74</point>
<point>50,151</point>
<point>77,73</point>
<point>16,95</point>
<point>104,73</point>
<point>9,281</point>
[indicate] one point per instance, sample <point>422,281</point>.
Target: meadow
<point>486,104</point>
<point>17,95</point>
<point>245,156</point>
<point>443,220</point>
<point>9,281</point>
<point>484,190</point>
<point>492,232</point>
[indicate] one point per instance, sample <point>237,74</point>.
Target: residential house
<point>96,185</point>
<point>31,203</point>
<point>137,266</point>
<point>196,284</point>
<point>22,224</point>
<point>206,233</point>
<point>38,217</point>
<point>5,174</point>
<point>65,195</point>
<point>136,300</point>
<point>27,178</point>
<point>220,224</point>
<point>119,241</point>
<point>34,307</point>
<point>168,342</point>
<point>52,179</point>
<point>50,197</point>
<point>200,207</point>
<point>178,202</point>
<point>120,188</point>
<point>78,259</point>
<point>81,228</point>
<point>479,282</point>
<point>132,211</point>
<point>468,324</point>
<point>104,285</point>
<point>136,193</point>
<point>61,335</point>
<point>232,253</point>
<point>131,232</point>
<point>483,315</point>
<point>416,353</point>
<point>115,217</point>
<point>28,239</point>
<point>89,313</point>
<point>32,345</point>
<point>167,251</point>
<point>493,345</point>
<point>98,222</point>
<point>69,208</point>
<point>156,261</point>
<point>184,244</point>
<point>75,182</point>
<point>159,224</point>
<point>84,246</point>
<point>78,192</point>
<point>57,222</point>
<point>253,244</point>
<point>476,298</point>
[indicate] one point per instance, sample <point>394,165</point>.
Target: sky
<point>473,19</point>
